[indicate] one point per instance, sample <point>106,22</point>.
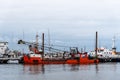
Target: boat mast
<point>23,39</point>
<point>23,35</point>
<point>49,40</point>
<point>96,45</point>
<point>37,43</point>
<point>42,45</point>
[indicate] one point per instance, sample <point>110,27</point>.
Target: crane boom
<point>32,46</point>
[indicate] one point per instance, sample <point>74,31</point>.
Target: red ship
<point>38,57</point>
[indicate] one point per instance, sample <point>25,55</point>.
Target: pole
<point>96,45</point>
<point>43,45</point>
<point>49,40</point>
<point>37,42</point>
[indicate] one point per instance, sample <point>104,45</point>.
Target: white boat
<point>102,52</point>
<point>7,55</point>
<point>3,48</point>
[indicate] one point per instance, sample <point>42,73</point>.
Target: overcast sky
<point>64,18</point>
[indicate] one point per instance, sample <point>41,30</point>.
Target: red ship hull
<point>38,60</point>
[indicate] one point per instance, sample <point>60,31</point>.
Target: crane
<point>32,46</point>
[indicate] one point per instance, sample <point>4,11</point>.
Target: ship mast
<point>37,43</point>
<point>49,40</point>
<point>96,45</point>
<point>42,45</point>
<point>23,39</point>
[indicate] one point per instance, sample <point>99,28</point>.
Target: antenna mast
<point>23,39</point>
<point>49,40</point>
<point>37,39</point>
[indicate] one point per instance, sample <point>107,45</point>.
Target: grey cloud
<point>76,18</point>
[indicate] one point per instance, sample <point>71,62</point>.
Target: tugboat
<point>37,56</point>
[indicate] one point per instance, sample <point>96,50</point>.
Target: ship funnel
<point>113,46</point>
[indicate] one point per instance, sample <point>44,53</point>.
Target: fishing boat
<point>75,58</point>
<point>37,56</point>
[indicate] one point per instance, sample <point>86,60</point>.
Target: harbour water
<point>102,71</point>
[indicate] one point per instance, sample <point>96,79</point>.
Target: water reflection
<point>59,69</point>
<point>41,69</point>
<point>96,68</point>
<point>101,71</point>
<point>74,67</point>
<point>34,69</point>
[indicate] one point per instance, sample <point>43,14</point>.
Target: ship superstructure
<point>3,48</point>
